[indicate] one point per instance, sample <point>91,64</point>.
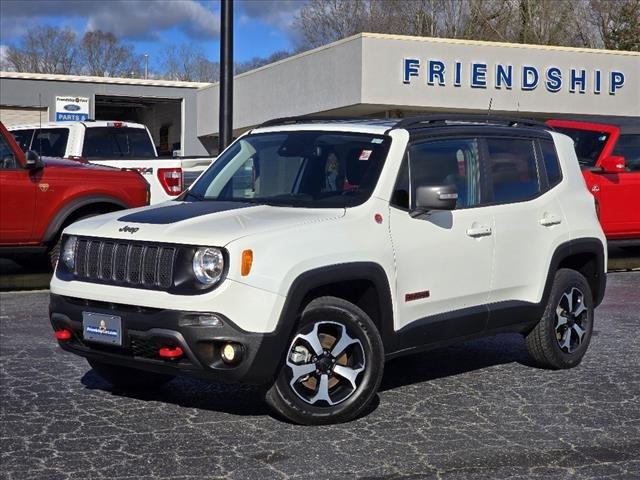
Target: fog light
<point>231,353</point>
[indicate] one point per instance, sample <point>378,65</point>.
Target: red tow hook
<point>171,353</point>
<point>63,335</point>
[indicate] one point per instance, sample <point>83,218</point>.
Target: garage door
<point>22,115</point>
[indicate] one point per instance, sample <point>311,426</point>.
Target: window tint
<point>51,142</point>
<point>117,142</point>
<point>451,161</point>
<point>514,173</point>
<point>7,158</point>
<point>23,138</point>
<point>551,162</point>
<point>401,190</point>
<point>629,147</point>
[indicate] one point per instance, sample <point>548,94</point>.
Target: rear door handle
<point>481,231</point>
<point>550,220</point>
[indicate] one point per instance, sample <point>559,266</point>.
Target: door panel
<point>443,258</point>
<point>448,255</point>
<point>17,206</point>
<point>618,196</point>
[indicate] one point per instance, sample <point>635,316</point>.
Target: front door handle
<point>549,220</point>
<point>481,231</point>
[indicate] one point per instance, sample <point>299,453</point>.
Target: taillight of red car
<point>171,180</point>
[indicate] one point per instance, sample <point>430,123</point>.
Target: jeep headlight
<point>208,265</point>
<point>68,254</point>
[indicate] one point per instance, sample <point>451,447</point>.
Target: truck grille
<point>128,263</point>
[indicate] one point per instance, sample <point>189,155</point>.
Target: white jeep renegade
<point>313,250</point>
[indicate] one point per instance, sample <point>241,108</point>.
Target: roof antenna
<point>40,127</point>
<point>489,109</point>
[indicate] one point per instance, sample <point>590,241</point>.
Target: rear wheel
<point>562,336</point>
<point>129,378</point>
<point>333,365</point>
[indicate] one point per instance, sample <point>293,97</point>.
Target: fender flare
<point>329,274</point>
<point>577,246</point>
<point>74,205</point>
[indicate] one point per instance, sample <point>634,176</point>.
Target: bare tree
<point>257,62</point>
<point>189,64</point>
<point>104,55</point>
<point>45,49</point>
<point>617,23</point>
<point>548,22</point>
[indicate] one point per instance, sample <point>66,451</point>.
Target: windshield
<point>588,144</point>
<point>299,169</point>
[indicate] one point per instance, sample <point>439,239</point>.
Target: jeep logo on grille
<point>129,229</point>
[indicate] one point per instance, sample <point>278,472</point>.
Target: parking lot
<point>474,411</point>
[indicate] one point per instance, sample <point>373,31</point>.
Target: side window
<point>514,172</point>
<point>23,138</point>
<point>51,142</point>
<point>551,164</point>
<point>450,161</point>
<point>629,147</point>
<point>401,191</point>
<point>7,158</point>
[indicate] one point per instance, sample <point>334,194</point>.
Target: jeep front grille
<point>125,263</point>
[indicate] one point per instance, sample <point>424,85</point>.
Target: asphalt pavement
<point>478,410</point>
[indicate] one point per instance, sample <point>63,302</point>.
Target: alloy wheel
<point>571,320</point>
<point>325,364</point>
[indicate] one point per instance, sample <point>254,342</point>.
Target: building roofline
<point>106,80</point>
<point>494,44</point>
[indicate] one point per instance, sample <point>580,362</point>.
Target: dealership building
<point>373,75</point>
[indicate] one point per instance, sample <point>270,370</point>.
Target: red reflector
<point>63,335</point>
<point>170,352</point>
<point>171,180</point>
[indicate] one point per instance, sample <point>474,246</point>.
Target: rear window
<point>588,144</point>
<point>112,142</point>
<point>23,138</point>
<point>51,142</point>
<point>514,171</point>
<point>629,147</point>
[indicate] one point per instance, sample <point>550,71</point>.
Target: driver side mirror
<point>34,162</point>
<point>613,164</point>
<point>436,197</point>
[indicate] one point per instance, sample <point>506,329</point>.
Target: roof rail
<point>306,119</point>
<point>434,120</point>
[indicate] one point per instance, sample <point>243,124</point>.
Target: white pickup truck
<point>122,145</point>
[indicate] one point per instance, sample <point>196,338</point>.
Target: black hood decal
<point>181,211</point>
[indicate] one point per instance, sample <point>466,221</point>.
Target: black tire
<point>129,378</point>
<point>325,317</point>
<point>555,342</point>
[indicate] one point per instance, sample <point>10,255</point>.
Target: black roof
<point>421,121</point>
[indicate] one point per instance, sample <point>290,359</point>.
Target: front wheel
<point>562,336</point>
<point>333,365</point>
<point>129,378</point>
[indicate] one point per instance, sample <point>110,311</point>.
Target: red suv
<point>39,197</point>
<point>610,159</point>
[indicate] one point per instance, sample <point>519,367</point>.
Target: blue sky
<point>261,27</point>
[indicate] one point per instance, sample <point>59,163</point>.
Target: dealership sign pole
<point>226,75</point>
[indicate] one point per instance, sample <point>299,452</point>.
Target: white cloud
<point>277,13</point>
<point>131,19</point>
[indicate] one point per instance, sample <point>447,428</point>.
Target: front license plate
<point>101,328</point>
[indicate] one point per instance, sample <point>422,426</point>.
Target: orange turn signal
<point>247,261</point>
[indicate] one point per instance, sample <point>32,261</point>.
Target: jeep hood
<point>199,223</point>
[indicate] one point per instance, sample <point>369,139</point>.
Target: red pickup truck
<point>39,197</point>
<point>610,159</point>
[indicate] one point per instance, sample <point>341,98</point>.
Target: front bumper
<point>146,330</point>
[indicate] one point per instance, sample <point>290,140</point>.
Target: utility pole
<point>226,75</point>
<point>146,66</point>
